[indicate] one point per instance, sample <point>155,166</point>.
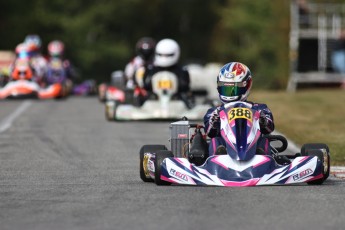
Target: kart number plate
<point>56,64</point>
<point>236,113</point>
<point>164,84</point>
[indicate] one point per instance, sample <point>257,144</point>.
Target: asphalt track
<point>62,166</point>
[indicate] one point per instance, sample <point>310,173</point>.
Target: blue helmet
<point>34,41</point>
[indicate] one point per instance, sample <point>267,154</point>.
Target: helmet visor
<point>232,89</point>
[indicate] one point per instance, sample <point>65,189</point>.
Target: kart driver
<point>234,82</point>
<point>167,54</point>
<point>56,50</point>
<point>145,50</point>
<point>21,67</point>
<point>38,62</point>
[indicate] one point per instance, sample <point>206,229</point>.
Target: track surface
<point>62,166</point>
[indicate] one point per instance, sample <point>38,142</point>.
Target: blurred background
<point>276,39</point>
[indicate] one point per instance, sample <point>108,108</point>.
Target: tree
<point>255,33</point>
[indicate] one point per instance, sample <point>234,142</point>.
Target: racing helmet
<point>167,53</point>
<point>56,48</point>
<point>145,47</point>
<point>234,82</point>
<point>34,42</point>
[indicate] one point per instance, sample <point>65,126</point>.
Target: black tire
<point>322,147</point>
<point>143,150</point>
<point>160,156</point>
<point>110,113</point>
<point>310,146</point>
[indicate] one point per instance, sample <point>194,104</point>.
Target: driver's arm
<point>266,120</point>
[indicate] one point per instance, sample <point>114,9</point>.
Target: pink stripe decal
<point>183,163</point>
<point>302,159</point>
<point>298,162</point>
<point>263,161</point>
<point>226,140</point>
<point>222,115</point>
<point>167,179</point>
<point>251,182</point>
<point>216,161</point>
<point>316,177</point>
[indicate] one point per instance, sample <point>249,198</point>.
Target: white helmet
<point>234,82</point>
<point>167,53</point>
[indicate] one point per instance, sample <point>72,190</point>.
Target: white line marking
<point>7,122</point>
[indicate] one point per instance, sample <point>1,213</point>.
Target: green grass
<point>309,116</point>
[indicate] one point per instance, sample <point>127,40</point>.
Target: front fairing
<point>240,130</point>
<point>225,171</point>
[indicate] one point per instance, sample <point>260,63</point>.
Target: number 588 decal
<point>245,113</point>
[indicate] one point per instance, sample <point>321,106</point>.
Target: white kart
<point>164,106</point>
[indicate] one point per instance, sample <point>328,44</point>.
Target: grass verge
<point>309,116</point>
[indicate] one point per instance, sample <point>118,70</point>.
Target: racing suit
<point>212,127</point>
<point>130,69</point>
<point>183,90</point>
<point>40,65</point>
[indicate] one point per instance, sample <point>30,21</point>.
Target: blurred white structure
<point>314,28</point>
<point>204,78</point>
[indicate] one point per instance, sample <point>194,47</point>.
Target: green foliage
<point>100,35</point>
<point>255,33</point>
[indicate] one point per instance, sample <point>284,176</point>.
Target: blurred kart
<point>163,103</point>
<point>86,88</point>
<point>238,163</point>
<point>22,84</point>
<point>56,74</point>
<point>30,89</point>
<point>114,89</point>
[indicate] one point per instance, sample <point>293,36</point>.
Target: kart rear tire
<point>306,148</point>
<point>143,150</point>
<point>160,156</point>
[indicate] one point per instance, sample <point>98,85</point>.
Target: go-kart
<point>114,89</point>
<point>29,89</point>
<point>23,85</point>
<point>86,88</point>
<point>239,163</point>
<point>162,103</point>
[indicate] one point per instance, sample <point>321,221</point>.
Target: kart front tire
<point>160,156</point>
<point>325,158</point>
<point>147,149</point>
<point>110,110</point>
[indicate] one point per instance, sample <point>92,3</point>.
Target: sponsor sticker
<point>302,174</point>
<point>164,84</point>
<point>182,135</point>
<point>178,174</point>
<point>230,75</point>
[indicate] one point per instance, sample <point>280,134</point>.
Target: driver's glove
<point>263,120</point>
<point>214,119</point>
